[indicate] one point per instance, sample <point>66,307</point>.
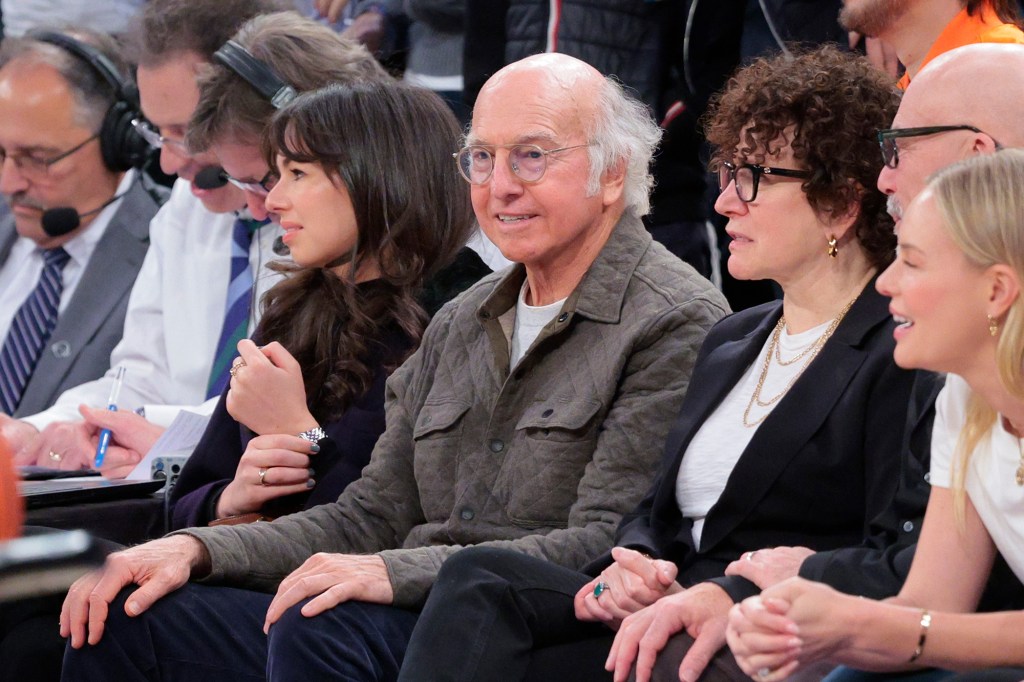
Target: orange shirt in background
<point>983,27</point>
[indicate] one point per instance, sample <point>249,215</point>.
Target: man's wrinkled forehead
<point>532,106</point>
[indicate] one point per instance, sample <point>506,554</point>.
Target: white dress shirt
<point>19,274</point>
<point>175,314</point>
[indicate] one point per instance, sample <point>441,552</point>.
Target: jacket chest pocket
<point>437,436</point>
<point>554,442</point>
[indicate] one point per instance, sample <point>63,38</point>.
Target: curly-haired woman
<point>790,431</point>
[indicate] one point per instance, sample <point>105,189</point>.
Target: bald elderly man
<point>531,418</point>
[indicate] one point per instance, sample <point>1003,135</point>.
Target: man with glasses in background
<point>77,226</point>
<point>198,291</point>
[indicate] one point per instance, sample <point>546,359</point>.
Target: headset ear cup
<point>120,144</point>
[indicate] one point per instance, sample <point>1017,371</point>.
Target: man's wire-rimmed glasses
<point>153,137</point>
<point>529,162</point>
<point>891,153</point>
<point>35,167</point>
<point>261,186</point>
<point>747,177</point>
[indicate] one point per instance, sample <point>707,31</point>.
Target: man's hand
<point>878,53</point>
<point>767,567</point>
<point>331,9</point>
<point>158,567</point>
<point>17,433</point>
<point>631,583</point>
<point>267,392</point>
<point>701,610</point>
<point>270,467</point>
<point>336,578</point>
<point>131,437</point>
<point>60,445</point>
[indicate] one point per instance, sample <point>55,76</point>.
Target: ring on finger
<point>236,365</point>
<point>263,475</point>
<point>749,556</point>
<point>764,673</point>
<point>600,589</point>
<point>55,456</point>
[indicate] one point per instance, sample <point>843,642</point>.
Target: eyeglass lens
<point>527,161</point>
<point>742,175</point>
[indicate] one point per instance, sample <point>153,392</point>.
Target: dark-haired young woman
<point>371,209</point>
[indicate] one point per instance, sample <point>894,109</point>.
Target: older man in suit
<point>64,282</point>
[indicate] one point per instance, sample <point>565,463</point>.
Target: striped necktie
<point>239,304</point>
<point>30,329</point>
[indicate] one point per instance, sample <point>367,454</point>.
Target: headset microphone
<point>59,221</point>
<point>211,177</point>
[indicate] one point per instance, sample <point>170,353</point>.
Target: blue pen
<point>101,447</point>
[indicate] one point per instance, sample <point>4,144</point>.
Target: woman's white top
<point>722,438</point>
<point>991,471</point>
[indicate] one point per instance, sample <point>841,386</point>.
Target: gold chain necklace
<point>811,352</point>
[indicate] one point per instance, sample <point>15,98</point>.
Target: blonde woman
<point>956,297</point>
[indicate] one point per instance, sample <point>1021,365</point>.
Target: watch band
<point>314,435</point>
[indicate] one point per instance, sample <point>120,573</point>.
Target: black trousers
<point>494,614</point>
<point>201,633</point>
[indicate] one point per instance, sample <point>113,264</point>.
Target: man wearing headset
<point>177,324</point>
<point>78,223</point>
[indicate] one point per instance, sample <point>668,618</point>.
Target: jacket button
<point>928,477</point>
<point>563,317</point>
<point>547,413</point>
<point>496,445</point>
<point>467,514</point>
<point>908,526</point>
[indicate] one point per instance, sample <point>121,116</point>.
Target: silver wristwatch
<point>314,435</point>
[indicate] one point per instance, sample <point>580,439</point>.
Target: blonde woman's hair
<point>981,202</point>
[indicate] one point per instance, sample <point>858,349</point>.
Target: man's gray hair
<point>91,93</point>
<point>623,132</point>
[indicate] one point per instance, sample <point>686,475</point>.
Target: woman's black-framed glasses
<point>747,177</point>
<point>528,161</point>
<point>891,153</point>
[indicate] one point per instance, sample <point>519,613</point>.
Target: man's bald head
<point>980,85</point>
<point>619,128</point>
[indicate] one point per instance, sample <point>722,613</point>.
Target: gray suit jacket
<point>92,324</point>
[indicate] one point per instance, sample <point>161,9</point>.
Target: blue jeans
<point>844,674</point>
<point>204,633</point>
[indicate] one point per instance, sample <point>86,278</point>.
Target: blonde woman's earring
<point>993,325</point>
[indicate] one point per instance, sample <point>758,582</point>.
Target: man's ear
<point>1003,289</point>
<point>613,183</point>
<point>983,144</point>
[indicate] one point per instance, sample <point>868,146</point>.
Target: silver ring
<point>764,673</point>
<point>55,456</point>
<point>263,474</point>
<point>749,556</point>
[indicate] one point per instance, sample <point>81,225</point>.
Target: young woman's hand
<point>267,393</point>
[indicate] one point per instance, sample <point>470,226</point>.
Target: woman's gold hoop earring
<point>993,326</point>
<point>833,250</point>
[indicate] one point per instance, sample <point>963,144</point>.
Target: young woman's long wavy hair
<point>390,146</point>
<point>981,203</point>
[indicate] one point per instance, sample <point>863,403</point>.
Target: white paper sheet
<point>178,440</point>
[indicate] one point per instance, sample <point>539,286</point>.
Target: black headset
<point>121,145</point>
<point>256,73</point>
